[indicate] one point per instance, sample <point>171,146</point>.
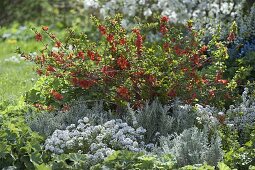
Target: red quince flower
<point>66,108</point>
<point>231,36</point>
<point>194,96</point>
<point>102,29</point>
<point>52,36</point>
<point>109,71</point>
<point>58,44</point>
<point>39,72</point>
<point>85,84</point>
<point>123,63</point>
<point>138,42</point>
<point>205,81</point>
<point>166,46</point>
<point>56,95</point>
<point>110,38</point>
<point>164,19</point>
<point>151,79</point>
<point>38,37</point>
<point>51,69</point>
<point>163,29</point>
<point>80,55</point>
<point>212,93</point>
<point>222,81</point>
<point>195,59</point>
<point>91,55</point>
<point>123,92</point>
<point>136,31</point>
<point>203,49</point>
<point>45,28</point>
<point>122,41</point>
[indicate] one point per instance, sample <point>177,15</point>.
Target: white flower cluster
<point>205,115</point>
<point>242,115</point>
<point>97,141</point>
<point>177,10</point>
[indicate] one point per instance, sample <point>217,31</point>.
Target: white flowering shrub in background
<point>193,147</point>
<point>97,141</point>
<point>177,10</point>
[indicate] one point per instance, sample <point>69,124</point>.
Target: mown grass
<point>15,77</point>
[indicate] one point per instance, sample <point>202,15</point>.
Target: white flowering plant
<point>97,141</point>
<point>178,10</point>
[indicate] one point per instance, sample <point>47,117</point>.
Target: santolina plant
<point>122,66</point>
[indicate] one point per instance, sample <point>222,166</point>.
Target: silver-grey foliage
<point>193,147</point>
<point>246,23</point>
<point>155,119</point>
<point>47,122</point>
<point>162,120</point>
<point>242,116</point>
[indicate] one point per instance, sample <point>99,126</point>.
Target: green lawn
<point>16,75</point>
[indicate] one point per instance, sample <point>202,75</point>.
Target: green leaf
<point>42,167</point>
<point>223,166</point>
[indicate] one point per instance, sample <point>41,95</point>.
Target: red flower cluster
<point>163,28</point>
<point>102,29</point>
<point>203,49</point>
<point>80,55</point>
<point>123,63</point>
<point>91,55</point>
<point>218,79</point>
<point>110,38</point>
<point>122,41</point>
<point>58,57</point>
<point>84,84</point>
<point>164,19</point>
<point>51,69</point>
<point>138,42</point>
<point>45,28</point>
<point>179,51</point>
<point>38,37</point>
<point>166,46</point>
<point>39,72</point>
<point>195,59</point>
<point>231,36</point>
<point>151,80</point>
<point>58,44</point>
<point>56,95</point>
<point>109,71</point>
<point>123,92</point>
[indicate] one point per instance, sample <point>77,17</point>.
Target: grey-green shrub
<point>193,147</point>
<point>162,120</point>
<point>47,122</point>
<point>242,116</point>
<point>154,118</point>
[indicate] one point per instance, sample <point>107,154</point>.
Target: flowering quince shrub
<point>123,67</point>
